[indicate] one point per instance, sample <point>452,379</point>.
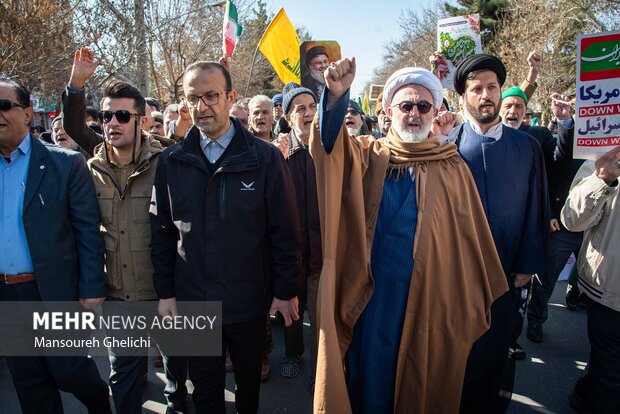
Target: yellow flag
<point>280,45</point>
<point>366,104</point>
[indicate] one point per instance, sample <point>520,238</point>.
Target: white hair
<point>259,99</point>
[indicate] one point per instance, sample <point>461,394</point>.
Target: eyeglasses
<point>209,98</point>
<point>353,111</point>
<point>407,106</point>
<point>122,116</point>
<point>6,105</point>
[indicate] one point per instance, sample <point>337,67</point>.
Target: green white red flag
<point>232,29</point>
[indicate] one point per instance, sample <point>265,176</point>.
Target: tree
<point>36,43</point>
<point>490,11</point>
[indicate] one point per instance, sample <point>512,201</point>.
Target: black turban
<point>478,62</point>
<point>315,51</point>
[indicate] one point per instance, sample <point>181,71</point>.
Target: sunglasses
<point>277,105</point>
<point>6,105</point>
<point>407,106</point>
<point>122,116</point>
<point>353,111</point>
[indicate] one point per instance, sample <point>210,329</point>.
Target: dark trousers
<point>175,369</point>
<point>245,342</point>
<point>488,368</point>
<point>126,371</point>
<point>600,386</point>
<point>38,379</point>
<point>294,334</point>
<point>561,244</point>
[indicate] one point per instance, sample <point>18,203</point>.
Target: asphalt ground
<point>543,380</point>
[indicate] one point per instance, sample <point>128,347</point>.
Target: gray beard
<point>353,132</point>
<point>317,75</point>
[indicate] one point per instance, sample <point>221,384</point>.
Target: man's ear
<point>435,112</point>
<point>389,112</point>
<point>28,112</point>
<point>143,122</point>
<point>232,95</point>
<point>288,118</point>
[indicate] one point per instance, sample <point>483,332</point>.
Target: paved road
<point>543,380</point>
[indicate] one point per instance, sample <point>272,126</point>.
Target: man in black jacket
<point>224,229</point>
<point>299,107</point>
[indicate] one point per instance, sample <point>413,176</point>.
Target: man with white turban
<point>410,269</point>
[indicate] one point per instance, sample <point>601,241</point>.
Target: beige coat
<point>125,220</point>
<point>456,277</point>
<point>592,207</point>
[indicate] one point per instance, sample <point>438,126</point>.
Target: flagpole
<point>247,86</point>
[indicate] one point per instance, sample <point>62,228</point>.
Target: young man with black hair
<point>123,169</point>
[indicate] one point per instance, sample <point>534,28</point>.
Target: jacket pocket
<point>105,198</point>
<point>142,265</point>
<point>140,208</point>
<point>112,273</point>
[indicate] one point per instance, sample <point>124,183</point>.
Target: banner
<point>457,38</point>
<point>597,111</point>
<point>232,29</point>
<point>280,46</point>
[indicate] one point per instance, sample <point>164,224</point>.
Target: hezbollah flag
<point>280,46</point>
<point>232,29</point>
<point>366,103</point>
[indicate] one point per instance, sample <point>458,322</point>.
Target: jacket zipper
<point>223,197</point>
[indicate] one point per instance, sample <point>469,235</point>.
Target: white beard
<point>353,131</point>
<point>318,76</point>
<point>413,136</point>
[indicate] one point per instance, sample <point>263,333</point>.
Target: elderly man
<point>51,250</point>
<point>592,207</point>
<point>561,169</point>
<point>317,61</point>
<point>385,123</point>
<point>398,313</point>
<point>239,112</point>
<point>61,138</point>
<point>260,119</point>
<point>300,106</point>
<point>353,120</point>
<point>515,203</point>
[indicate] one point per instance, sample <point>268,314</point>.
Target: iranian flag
<point>232,29</point>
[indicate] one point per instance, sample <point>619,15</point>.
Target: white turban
<point>409,76</point>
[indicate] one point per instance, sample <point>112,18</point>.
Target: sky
<point>362,27</point>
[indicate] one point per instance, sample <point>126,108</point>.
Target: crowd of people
<point>418,238</point>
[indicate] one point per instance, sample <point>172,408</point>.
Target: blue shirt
<point>14,252</point>
<point>213,148</point>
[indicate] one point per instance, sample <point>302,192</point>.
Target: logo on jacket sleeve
<point>247,187</point>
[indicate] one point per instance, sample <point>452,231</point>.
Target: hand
<point>225,61</point>
<point>607,166</point>
<point>534,60</point>
<point>184,122</point>
<point>435,59</point>
<point>443,123</point>
<point>167,307</point>
<point>91,303</point>
<point>522,279</point>
<point>560,106</point>
<point>555,225</point>
<point>84,66</point>
<point>281,143</point>
<point>288,308</point>
<point>338,78</point>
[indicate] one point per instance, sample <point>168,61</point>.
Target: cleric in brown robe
<point>410,269</point>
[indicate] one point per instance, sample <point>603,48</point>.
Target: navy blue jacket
<point>61,219</point>
<point>232,236</point>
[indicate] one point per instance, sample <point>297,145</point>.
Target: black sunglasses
<point>122,116</point>
<point>6,105</point>
<point>407,106</point>
<point>277,105</point>
<point>353,111</point>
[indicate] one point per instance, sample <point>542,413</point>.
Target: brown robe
<point>456,276</point>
